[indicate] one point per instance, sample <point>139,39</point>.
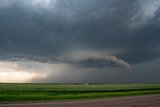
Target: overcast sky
<point>68,41</point>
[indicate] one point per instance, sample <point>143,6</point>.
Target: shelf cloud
<point>94,60</point>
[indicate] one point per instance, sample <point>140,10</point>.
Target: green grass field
<point>46,92</point>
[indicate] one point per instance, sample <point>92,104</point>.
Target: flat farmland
<point>60,92</point>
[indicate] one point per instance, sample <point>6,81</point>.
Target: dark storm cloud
<point>45,30</point>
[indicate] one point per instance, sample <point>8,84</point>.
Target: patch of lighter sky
<point>147,12</point>
<point>14,72</point>
<point>16,77</point>
<point>43,3</point>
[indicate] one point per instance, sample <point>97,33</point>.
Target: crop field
<point>59,92</point>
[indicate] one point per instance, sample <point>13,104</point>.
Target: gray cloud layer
<point>47,30</point>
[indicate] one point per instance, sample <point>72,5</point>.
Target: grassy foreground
<point>44,92</point>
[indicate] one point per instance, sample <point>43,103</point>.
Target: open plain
<point>134,101</point>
